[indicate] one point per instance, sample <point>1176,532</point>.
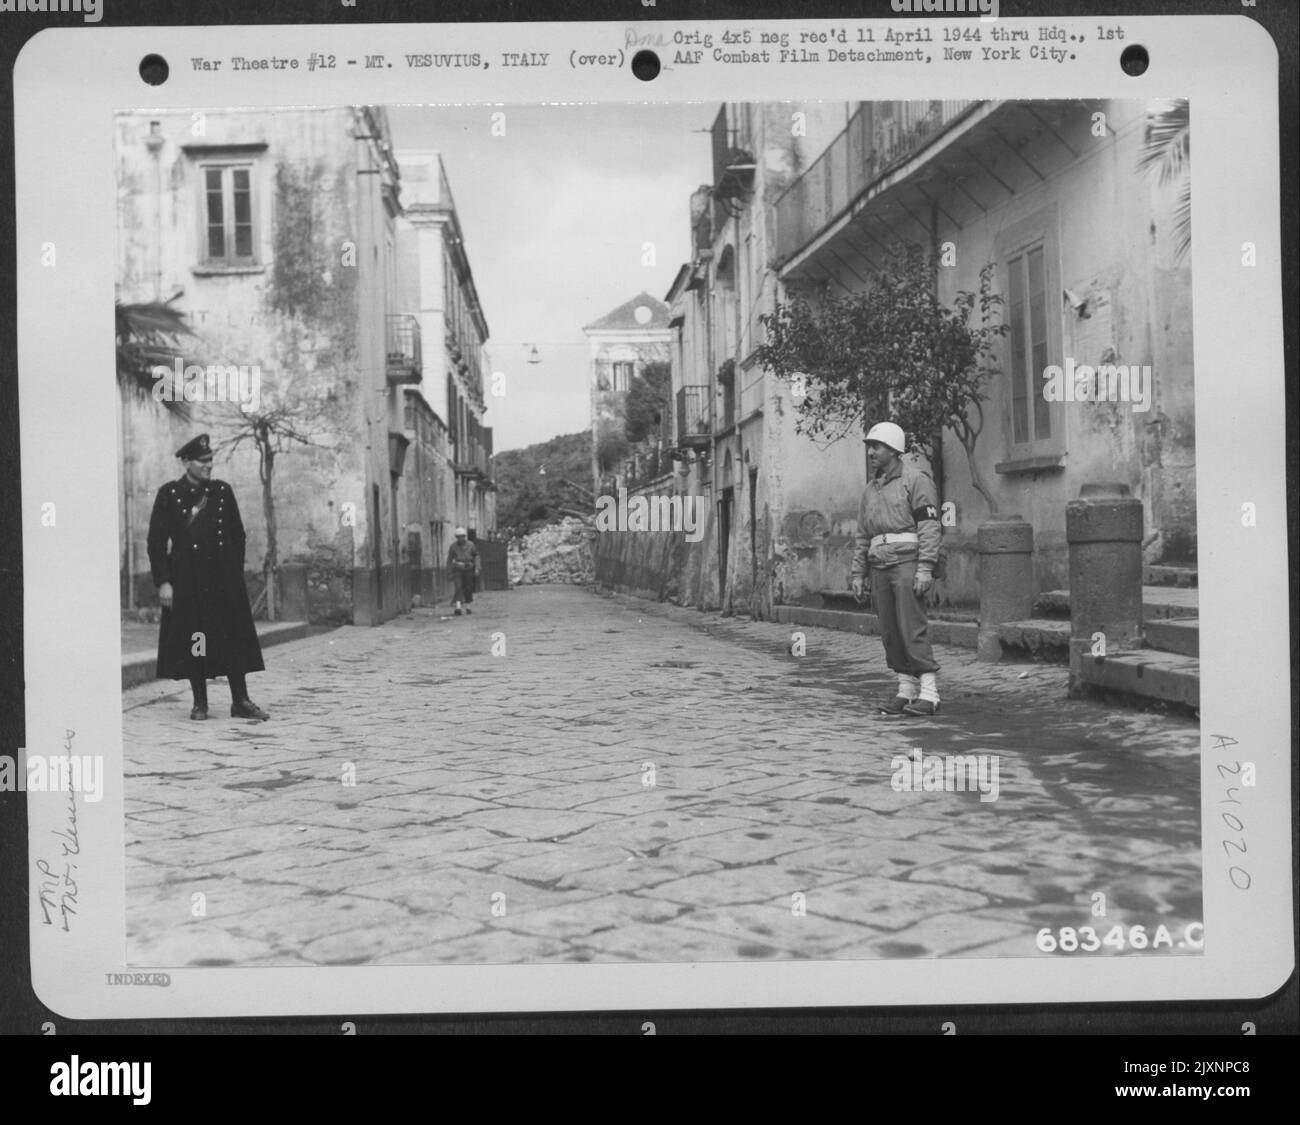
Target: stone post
<point>293,592</point>
<point>1103,528</point>
<point>1006,550</point>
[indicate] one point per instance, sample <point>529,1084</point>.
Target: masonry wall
<point>309,314</point>
<point>1113,246</point>
<point>664,565</point>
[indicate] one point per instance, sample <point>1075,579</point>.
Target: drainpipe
<point>936,462</point>
<point>153,141</point>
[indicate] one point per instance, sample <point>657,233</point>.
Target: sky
<point>554,215</point>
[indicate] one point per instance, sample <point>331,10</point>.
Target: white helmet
<point>460,531</point>
<point>887,433</point>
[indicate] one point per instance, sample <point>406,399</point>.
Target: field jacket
<point>900,500</point>
<point>463,556</point>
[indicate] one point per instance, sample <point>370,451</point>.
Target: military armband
<point>925,512</point>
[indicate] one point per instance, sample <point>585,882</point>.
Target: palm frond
<point>1166,151</point>
<point>1166,142</point>
<point>149,335</point>
<point>1183,221</point>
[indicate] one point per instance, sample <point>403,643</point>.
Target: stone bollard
<point>1104,530</point>
<point>1006,550</point>
<point>293,592</point>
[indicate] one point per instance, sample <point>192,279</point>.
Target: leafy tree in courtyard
<point>892,351</point>
<point>647,402</point>
<point>612,447</point>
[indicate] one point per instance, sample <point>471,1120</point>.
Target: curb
<point>961,634</point>
<point>139,667</point>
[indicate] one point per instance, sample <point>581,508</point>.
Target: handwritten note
<point>58,878</point>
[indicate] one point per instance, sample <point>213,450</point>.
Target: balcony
<point>879,137</point>
<point>470,459</point>
<point>404,362</point>
<point>693,424</point>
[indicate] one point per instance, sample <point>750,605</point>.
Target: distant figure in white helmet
<point>463,562</point>
<point>897,548</point>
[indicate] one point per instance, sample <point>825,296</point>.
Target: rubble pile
<point>558,552</point>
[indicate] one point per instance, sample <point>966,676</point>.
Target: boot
<point>924,707</point>
<point>247,709</point>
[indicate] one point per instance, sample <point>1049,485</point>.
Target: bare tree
<point>287,416</point>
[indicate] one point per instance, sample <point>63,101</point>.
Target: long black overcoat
<point>203,559</point>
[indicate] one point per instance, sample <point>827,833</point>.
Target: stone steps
<point>1169,575</point>
<point>1158,603</point>
<point>1169,677</point>
<point>1167,669</point>
<point>1170,608</point>
<point>1045,639</point>
<point>1179,635</point>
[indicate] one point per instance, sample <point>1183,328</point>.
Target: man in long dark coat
<point>196,553</point>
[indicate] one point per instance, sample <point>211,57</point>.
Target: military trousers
<point>464,581</point>
<point>903,624</point>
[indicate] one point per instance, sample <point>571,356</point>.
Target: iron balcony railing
<point>647,465</point>
<point>878,137</point>
<point>405,362</point>
<point>693,416</point>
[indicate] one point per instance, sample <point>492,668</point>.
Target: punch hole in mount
<point>645,65</point>
<point>154,69</point>
<point>1134,60</point>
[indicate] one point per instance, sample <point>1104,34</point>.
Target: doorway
<point>724,541</point>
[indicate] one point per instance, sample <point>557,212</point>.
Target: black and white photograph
<point>646,533</point>
<point>640,519</point>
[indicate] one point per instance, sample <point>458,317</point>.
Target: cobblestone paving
<point>418,798</point>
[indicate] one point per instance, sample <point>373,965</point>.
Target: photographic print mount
<point>171,858</point>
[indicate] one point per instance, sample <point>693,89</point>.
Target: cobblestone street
<point>628,781</point>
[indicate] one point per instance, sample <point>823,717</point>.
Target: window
<point>1026,301</point>
<point>229,233</point>
<point>1030,279</point>
<point>622,376</point>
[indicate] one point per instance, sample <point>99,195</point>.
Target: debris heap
<point>558,552</point>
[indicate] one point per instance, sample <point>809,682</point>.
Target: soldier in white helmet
<point>898,547</point>
<point>463,562</point>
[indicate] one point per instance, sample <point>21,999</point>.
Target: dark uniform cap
<point>196,449</point>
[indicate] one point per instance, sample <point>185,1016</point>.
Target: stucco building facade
<point>279,235</point>
<point>806,200</point>
<point>620,345</point>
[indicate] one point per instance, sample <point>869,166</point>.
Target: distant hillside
<point>529,498</point>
